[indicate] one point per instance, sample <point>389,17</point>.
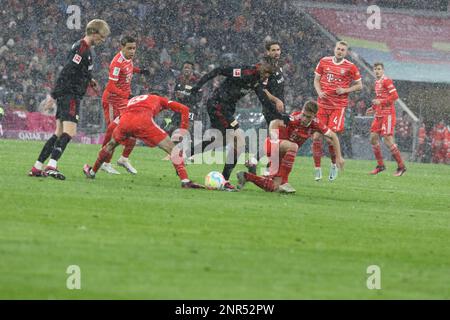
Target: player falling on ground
<point>286,137</point>
<point>221,106</point>
<point>137,122</point>
<point>384,122</point>
<point>115,99</point>
<point>275,85</point>
<point>333,82</point>
<point>71,85</point>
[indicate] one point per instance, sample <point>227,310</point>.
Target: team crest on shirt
<point>237,73</point>
<point>77,58</point>
<point>342,71</point>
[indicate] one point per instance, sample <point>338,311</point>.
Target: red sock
<point>109,131</point>
<point>108,135</point>
<point>332,153</point>
<point>102,156</point>
<point>178,163</point>
<point>397,156</point>
<point>264,183</point>
<point>377,152</point>
<point>286,165</point>
<point>317,152</point>
<point>129,146</point>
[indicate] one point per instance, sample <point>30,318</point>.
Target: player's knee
<point>373,138</point>
<point>293,147</point>
<point>388,141</point>
<point>317,136</point>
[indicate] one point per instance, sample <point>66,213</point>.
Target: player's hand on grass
<point>340,91</point>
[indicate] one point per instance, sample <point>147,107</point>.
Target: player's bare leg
<point>317,146</point>
<point>375,141</point>
<point>176,157</point>
<point>390,143</point>
<point>104,154</point>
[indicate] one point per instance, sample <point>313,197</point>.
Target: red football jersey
<point>296,132</point>
<point>121,71</point>
<point>387,94</point>
<point>152,103</point>
<point>333,76</point>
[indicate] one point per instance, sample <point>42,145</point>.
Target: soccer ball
<point>214,180</point>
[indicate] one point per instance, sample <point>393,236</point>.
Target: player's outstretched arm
<point>183,110</point>
<point>333,138</point>
<point>210,75</point>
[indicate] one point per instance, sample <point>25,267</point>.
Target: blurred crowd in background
<point>35,38</point>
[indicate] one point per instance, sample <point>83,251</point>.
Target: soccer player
<point>115,99</point>
<point>137,121</point>
<point>221,106</point>
<point>333,81</point>
<point>275,85</point>
<point>384,122</point>
<point>286,137</point>
<point>183,84</point>
<point>71,85</point>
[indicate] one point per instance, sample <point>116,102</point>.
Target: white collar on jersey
<point>337,63</point>
<point>121,54</point>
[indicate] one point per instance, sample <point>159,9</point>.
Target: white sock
<point>185,180</point>
<point>38,165</point>
<point>122,158</point>
<point>52,163</point>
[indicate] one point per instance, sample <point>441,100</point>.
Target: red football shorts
<point>384,125</point>
<point>140,125</point>
<point>332,118</point>
<point>112,110</point>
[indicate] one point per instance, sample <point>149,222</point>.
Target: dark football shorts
<point>220,118</point>
<point>68,108</point>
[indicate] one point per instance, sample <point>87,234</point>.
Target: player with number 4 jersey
<point>335,78</point>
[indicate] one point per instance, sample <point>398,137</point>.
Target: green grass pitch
<point>143,237</point>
